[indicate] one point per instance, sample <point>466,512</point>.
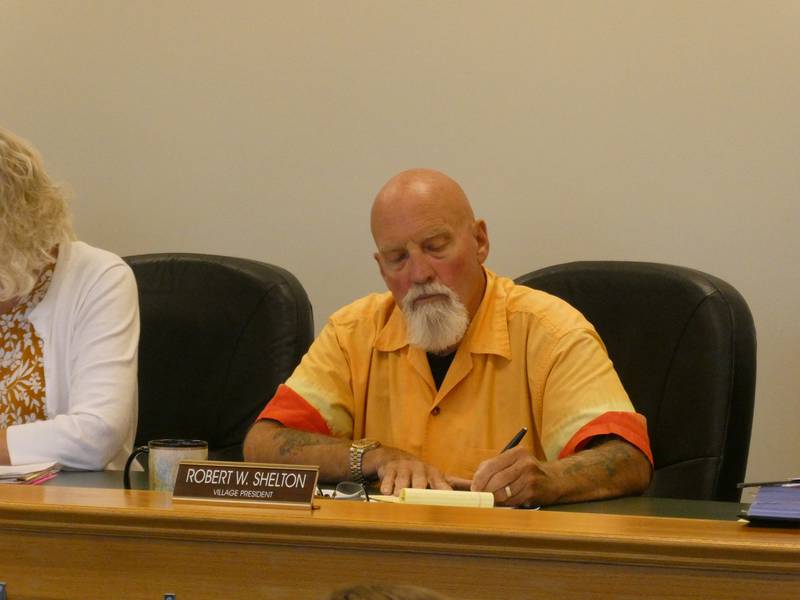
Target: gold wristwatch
<point>357,450</point>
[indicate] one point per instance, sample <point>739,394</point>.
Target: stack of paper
<point>29,474</point>
<point>776,503</point>
<point>439,497</point>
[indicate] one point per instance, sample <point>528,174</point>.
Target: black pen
<point>515,440</point>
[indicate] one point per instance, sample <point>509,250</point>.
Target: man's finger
<point>436,481</point>
<point>419,476</point>
<point>488,469</point>
<point>402,479</point>
<point>387,480</point>
<point>510,497</point>
<point>494,473</point>
<point>458,483</point>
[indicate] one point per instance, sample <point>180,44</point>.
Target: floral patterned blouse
<point>22,391</point>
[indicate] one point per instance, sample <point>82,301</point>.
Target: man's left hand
<point>515,478</point>
<point>607,468</point>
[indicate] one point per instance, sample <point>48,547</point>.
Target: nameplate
<point>249,483</point>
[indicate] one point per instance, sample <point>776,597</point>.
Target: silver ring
<point>508,492</point>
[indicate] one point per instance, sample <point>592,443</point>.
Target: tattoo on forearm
<point>291,440</point>
<point>607,455</point>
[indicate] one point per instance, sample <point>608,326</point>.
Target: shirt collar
<point>487,332</point>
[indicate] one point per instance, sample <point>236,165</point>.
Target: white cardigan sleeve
<point>98,374</point>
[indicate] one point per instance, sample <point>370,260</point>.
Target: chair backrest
<point>218,335</point>
<point>684,345</point>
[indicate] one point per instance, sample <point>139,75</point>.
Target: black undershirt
<point>439,366</point>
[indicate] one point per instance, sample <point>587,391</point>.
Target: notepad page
<point>440,498</point>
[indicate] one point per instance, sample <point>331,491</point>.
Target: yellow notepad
<point>439,498</point>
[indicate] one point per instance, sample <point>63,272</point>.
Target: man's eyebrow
<point>438,234</point>
<point>390,249</point>
<point>428,236</point>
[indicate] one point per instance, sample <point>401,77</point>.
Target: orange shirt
<point>527,359</point>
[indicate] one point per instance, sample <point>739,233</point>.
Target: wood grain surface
<point>68,542</point>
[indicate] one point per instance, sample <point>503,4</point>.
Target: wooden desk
<point>73,542</point>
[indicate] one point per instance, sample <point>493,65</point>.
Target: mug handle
<point>126,477</point>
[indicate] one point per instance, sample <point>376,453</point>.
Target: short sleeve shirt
<point>527,359</point>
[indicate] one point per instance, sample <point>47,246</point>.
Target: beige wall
<point>662,131</point>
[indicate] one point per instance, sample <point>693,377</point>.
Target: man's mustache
<point>421,290</point>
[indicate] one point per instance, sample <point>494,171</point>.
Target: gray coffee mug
<point>163,459</point>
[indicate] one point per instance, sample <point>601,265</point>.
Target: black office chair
<point>684,345</point>
<point>218,336</point>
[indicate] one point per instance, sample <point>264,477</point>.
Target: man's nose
<point>420,268</point>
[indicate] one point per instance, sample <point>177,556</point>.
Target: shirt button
<point>435,410</point>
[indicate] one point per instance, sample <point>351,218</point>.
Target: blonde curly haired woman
<point>69,328</point>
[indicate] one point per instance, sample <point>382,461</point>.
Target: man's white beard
<point>438,324</point>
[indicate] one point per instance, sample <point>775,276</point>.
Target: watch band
<point>357,450</point>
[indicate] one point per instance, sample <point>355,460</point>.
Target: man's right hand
<point>270,442</point>
<point>397,469</point>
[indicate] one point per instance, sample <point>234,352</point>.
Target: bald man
<point>425,385</point>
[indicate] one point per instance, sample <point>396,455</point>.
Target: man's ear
<point>481,234</point>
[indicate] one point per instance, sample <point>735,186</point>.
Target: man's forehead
<point>416,205</point>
